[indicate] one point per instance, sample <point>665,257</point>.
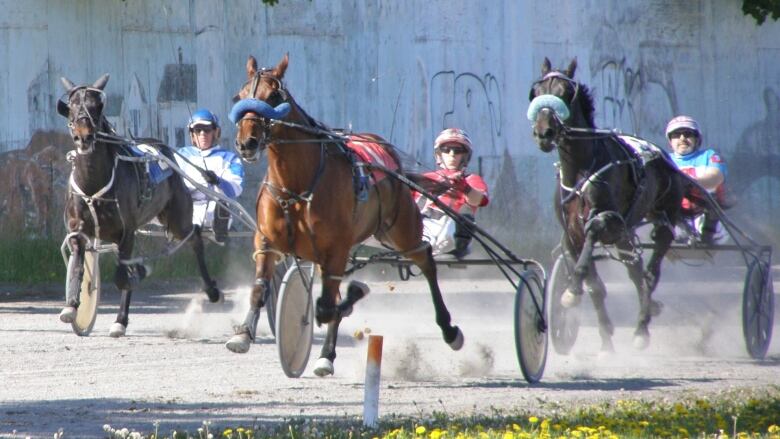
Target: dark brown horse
<point>605,192</point>
<point>307,207</point>
<point>110,196</point>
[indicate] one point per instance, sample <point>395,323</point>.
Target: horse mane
<point>585,98</point>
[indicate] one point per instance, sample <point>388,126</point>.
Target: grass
<point>732,414</point>
<point>38,261</point>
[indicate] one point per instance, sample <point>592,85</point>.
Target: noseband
<point>83,112</point>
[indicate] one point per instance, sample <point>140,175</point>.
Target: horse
<point>605,191</point>
<point>110,196</point>
<point>304,207</point>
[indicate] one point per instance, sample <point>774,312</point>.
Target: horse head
<point>84,110</point>
<point>553,99</point>
<point>261,101</point>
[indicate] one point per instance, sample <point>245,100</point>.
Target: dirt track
<point>173,367</point>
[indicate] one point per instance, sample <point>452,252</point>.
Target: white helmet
<point>453,135</point>
<point>682,122</point>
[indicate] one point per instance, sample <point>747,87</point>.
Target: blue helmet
<point>203,117</point>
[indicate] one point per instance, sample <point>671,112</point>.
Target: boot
<point>361,183</point>
<point>220,225</point>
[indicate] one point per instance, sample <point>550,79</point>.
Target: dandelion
<point>516,427</point>
<point>508,435</point>
<point>436,434</point>
<point>533,419</point>
<point>773,429</point>
<point>420,430</point>
<point>228,432</point>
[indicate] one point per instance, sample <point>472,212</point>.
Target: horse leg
<point>77,245</point>
<point>572,296</point>
<point>209,285</point>
<point>264,268</point>
<point>423,258</point>
<point>126,277</point>
<point>646,282</point>
<point>598,294</point>
<point>327,311</point>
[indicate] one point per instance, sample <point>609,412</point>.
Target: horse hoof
<point>605,355</point>
<point>68,314</point>
<point>215,295</point>
<point>655,308</point>
<point>569,299</point>
<point>641,342</point>
<point>239,343</point>
<point>323,367</point>
<point>117,330</point>
<point>457,342</point>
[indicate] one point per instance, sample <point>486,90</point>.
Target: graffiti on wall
<point>32,186</point>
<point>469,101</point>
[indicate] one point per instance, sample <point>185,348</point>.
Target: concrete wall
<point>408,68</point>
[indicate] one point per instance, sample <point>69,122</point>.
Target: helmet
<point>681,122</point>
<point>203,117</point>
<point>453,135</point>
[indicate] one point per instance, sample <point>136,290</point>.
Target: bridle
<point>84,113</point>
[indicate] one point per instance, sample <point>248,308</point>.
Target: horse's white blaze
<point>117,330</point>
<point>323,367</point>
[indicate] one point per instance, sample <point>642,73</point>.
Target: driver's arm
<point>710,179</point>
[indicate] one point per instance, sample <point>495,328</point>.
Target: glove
<point>458,184</point>
<point>210,177</point>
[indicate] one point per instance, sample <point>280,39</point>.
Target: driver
<point>209,164</point>
<point>703,165</point>
<point>452,151</point>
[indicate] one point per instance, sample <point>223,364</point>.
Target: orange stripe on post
<point>371,388</point>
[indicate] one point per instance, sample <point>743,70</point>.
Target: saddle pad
<point>642,148</point>
<point>158,170</point>
<point>371,152</point>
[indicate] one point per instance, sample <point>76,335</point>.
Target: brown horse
<point>110,195</point>
<point>307,207</point>
<point>605,191</point>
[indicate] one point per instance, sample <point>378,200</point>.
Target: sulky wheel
<point>272,294</point>
<point>295,319</point>
<point>758,306</point>
<point>530,327</point>
<point>564,322</point>
<point>89,293</point>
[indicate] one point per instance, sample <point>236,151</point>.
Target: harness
<point>283,196</point>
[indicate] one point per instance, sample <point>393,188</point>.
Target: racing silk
<point>457,201</point>
<point>695,164</point>
<point>224,163</point>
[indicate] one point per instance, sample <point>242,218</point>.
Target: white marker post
<point>373,369</point>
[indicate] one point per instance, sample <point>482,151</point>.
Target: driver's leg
<point>220,224</point>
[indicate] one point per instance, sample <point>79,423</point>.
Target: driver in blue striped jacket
<point>209,164</point>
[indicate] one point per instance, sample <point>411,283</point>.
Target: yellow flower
<point>516,427</point>
<point>508,435</point>
<point>533,419</point>
<point>436,434</point>
<point>773,429</point>
<point>420,430</point>
<point>227,433</point>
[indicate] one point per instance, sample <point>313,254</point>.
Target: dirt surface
<point>172,366</point>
